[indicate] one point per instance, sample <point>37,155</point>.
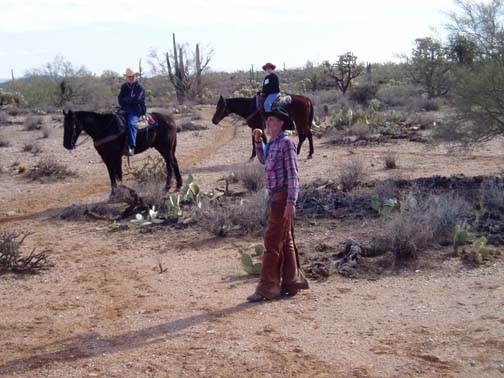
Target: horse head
<point>71,130</point>
<point>221,111</point>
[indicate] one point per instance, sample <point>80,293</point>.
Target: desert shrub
<point>342,116</point>
<point>33,123</point>
<point>33,148</point>
<point>46,132</point>
<point>336,136</point>
<point>4,142</point>
<point>430,105</point>
<point>492,194</point>
<point>10,255</point>
<point>11,98</point>
<point>422,222</point>
<point>49,169</point>
<point>4,118</point>
<point>152,193</point>
<point>247,216</point>
<point>362,94</point>
<point>360,130</point>
<point>351,174</point>
<point>397,95</point>
<point>152,170</point>
<point>390,160</point>
<point>251,175</point>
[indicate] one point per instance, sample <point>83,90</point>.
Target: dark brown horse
<point>109,141</point>
<point>300,111</point>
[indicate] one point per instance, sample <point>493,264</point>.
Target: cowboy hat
<point>130,72</point>
<point>268,65</point>
<point>281,113</point>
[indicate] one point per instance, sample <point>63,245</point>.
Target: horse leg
<point>168,158</point>
<point>113,180</point>
<point>118,168</point>
<point>302,138</point>
<point>178,177</point>
<point>310,141</point>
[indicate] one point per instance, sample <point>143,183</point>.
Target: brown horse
<point>300,111</point>
<point>109,141</point>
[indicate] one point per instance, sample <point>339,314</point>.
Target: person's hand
<point>290,211</point>
<point>257,133</point>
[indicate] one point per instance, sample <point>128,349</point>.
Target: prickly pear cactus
<point>247,260</point>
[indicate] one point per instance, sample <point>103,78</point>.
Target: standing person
<point>270,89</point>
<point>132,99</point>
<point>280,274</point>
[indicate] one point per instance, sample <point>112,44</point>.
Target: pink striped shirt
<point>280,165</point>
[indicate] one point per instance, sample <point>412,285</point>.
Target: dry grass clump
<point>4,142</point>
<point>33,148</point>
<point>191,126</point>
<point>152,193</point>
<point>46,132</point>
<point>351,174</point>
<point>33,123</point>
<point>48,168</point>
<point>390,160</point>
<point>10,255</point>
<point>247,216</point>
<point>423,222</point>
<point>360,130</point>
<point>251,176</point>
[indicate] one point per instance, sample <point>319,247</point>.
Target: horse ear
<point>64,112</point>
<point>221,98</point>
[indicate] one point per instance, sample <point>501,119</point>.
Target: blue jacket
<point>132,98</point>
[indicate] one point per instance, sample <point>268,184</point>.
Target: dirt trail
<point>38,202</point>
<point>106,310</point>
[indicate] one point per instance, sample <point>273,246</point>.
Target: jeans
<point>269,101</point>
<point>132,129</point>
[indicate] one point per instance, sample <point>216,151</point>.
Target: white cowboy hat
<point>130,72</point>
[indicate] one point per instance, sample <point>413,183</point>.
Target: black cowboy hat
<point>281,113</point>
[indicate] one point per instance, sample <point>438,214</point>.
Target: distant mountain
<point>4,80</point>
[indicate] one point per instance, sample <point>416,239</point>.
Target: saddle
<point>281,101</point>
<point>144,121</point>
<point>120,119</point>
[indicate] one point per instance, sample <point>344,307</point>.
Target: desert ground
<point>105,310</point>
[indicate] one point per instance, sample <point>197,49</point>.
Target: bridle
<point>74,132</point>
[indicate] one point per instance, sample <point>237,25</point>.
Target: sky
<point>115,34</point>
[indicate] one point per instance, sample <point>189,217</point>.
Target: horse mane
<point>94,115</point>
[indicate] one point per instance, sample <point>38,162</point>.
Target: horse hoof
<point>309,157</point>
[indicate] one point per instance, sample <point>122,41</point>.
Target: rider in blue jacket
<point>132,99</point>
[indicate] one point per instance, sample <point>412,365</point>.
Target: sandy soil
<point>104,310</point>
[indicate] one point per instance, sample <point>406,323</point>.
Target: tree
<point>478,83</point>
<point>429,66</point>
<point>343,71</point>
<point>481,24</point>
